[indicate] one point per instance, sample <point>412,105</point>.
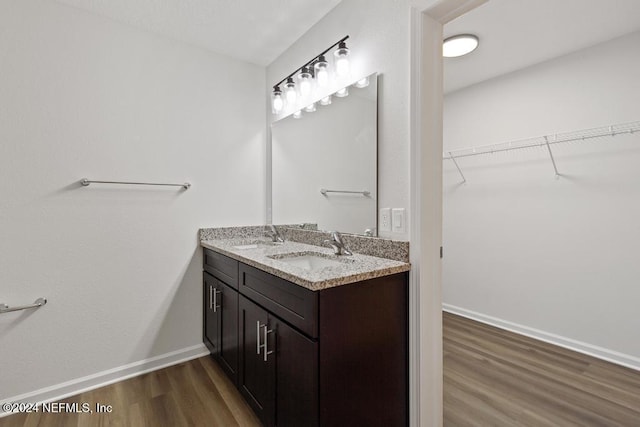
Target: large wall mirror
<point>324,163</point>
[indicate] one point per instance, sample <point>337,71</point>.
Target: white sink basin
<point>255,244</point>
<point>308,260</point>
<point>249,246</point>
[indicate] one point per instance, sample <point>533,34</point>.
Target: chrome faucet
<point>272,232</point>
<point>337,244</point>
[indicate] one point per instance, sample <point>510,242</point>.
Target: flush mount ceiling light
<point>313,74</point>
<point>459,45</point>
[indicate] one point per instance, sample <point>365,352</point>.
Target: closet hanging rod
<point>4,308</point>
<point>545,141</point>
<point>365,193</point>
<point>85,182</point>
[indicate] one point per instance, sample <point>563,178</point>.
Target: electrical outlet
<point>398,221</point>
<point>385,219</point>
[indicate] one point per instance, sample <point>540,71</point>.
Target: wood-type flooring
<point>193,393</point>
<point>493,377</point>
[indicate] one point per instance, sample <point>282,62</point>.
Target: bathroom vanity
<point>309,338</point>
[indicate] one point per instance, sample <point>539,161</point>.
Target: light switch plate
<point>398,220</point>
<point>385,219</point>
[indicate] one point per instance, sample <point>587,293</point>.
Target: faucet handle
<point>272,232</point>
<point>337,244</point>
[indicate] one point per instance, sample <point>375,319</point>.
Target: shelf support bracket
<point>457,167</point>
<point>555,168</point>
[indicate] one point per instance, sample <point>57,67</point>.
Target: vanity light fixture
<point>342,92</point>
<point>290,91</point>
<point>459,45</point>
<point>326,100</point>
<point>297,114</point>
<point>310,108</point>
<point>362,83</point>
<point>305,82</point>
<point>321,68</point>
<point>315,71</point>
<point>342,60</point>
<point>277,101</point>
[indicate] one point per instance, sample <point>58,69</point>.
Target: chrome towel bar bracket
<point>4,308</point>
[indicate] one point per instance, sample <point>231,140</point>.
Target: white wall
<point>379,42</point>
<point>554,258</point>
<point>84,96</point>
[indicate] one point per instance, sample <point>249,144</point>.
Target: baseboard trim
<point>110,376</point>
<point>621,359</point>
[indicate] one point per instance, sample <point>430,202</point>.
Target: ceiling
<point>515,34</point>
<point>256,31</point>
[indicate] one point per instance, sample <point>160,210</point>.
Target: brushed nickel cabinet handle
<point>215,299</point>
<point>265,345</point>
<point>258,337</point>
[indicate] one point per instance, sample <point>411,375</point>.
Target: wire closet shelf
<point>545,142</point>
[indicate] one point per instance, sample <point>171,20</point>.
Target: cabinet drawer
<point>222,267</point>
<point>292,303</point>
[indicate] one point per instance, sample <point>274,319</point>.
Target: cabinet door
<point>211,329</point>
<point>296,377</point>
<point>228,338</point>
<point>257,375</point>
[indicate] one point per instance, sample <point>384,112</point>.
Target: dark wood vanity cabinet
<point>333,357</point>
<point>220,325</point>
<point>278,369</point>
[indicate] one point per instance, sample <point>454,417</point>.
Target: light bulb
<point>310,108</point>
<point>277,102</point>
<point>297,114</point>
<point>362,83</point>
<point>305,82</point>
<point>290,91</point>
<point>342,92</point>
<point>322,72</point>
<point>342,60</point>
<point>326,100</point>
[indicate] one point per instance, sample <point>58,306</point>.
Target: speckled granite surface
<point>374,246</point>
<point>249,232</point>
<point>248,245</point>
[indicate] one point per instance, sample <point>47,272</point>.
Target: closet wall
<point>558,259</point>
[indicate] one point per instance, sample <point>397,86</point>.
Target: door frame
<point>425,292</point>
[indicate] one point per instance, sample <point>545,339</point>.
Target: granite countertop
<point>353,268</point>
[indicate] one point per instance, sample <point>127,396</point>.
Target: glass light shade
<point>305,83</point>
<point>342,60</point>
<point>322,72</point>
<point>342,92</point>
<point>277,102</point>
<point>362,83</point>
<point>297,114</point>
<point>310,108</point>
<point>326,100</point>
<point>290,91</point>
<point>459,45</point>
